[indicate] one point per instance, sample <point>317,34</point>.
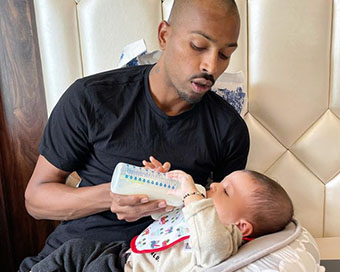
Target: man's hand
<point>157,165</point>
<point>133,207</point>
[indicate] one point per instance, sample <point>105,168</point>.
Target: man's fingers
<point>129,200</point>
<point>133,213</point>
<point>132,207</point>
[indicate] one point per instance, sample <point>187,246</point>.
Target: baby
<point>245,204</point>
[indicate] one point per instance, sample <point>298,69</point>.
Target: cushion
<point>292,249</point>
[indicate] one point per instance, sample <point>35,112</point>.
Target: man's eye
<point>222,56</point>
<point>196,47</point>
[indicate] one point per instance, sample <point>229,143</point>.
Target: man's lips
<point>201,87</point>
<point>203,82</point>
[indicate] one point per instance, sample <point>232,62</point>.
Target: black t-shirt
<point>111,117</point>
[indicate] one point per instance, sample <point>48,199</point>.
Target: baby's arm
<point>187,191</point>
<point>210,240</point>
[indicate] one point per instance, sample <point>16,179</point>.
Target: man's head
<point>197,43</point>
<point>255,203</point>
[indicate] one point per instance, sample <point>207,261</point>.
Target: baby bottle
<point>129,179</point>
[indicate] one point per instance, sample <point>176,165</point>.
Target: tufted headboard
<point>290,53</point>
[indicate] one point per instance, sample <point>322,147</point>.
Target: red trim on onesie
<point>160,248</point>
<point>247,239</point>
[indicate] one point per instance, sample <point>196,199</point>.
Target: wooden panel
<point>22,116</point>
<point>5,245</point>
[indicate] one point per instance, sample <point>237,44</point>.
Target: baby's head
<point>255,203</point>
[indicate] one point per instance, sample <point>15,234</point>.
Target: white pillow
<point>230,87</point>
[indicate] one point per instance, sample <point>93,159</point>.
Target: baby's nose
<point>213,186</point>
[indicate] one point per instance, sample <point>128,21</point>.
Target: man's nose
<point>209,63</point>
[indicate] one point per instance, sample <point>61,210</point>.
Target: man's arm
<point>48,197</point>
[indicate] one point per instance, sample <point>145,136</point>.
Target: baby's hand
<point>157,165</point>
<point>186,181</point>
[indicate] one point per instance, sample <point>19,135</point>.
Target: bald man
<point>127,115</point>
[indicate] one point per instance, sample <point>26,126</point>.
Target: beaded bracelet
<point>192,193</point>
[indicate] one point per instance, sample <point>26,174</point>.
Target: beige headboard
<point>290,53</point>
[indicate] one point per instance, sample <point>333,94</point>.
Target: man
<point>165,110</point>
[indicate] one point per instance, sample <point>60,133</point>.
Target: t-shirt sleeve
<point>66,139</point>
<point>222,240</point>
<point>235,148</point>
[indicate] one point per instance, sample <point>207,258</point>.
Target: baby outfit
<point>166,245</point>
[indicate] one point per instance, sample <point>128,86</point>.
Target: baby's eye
<point>196,47</point>
<point>225,191</point>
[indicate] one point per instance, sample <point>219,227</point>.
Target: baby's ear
<point>245,227</point>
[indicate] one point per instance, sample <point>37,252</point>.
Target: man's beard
<point>198,98</point>
<point>188,99</point>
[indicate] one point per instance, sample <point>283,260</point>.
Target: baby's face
<point>230,196</point>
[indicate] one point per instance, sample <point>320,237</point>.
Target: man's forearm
<point>57,201</point>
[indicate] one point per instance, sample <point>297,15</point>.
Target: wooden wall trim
<point>5,245</point>
<point>22,118</point>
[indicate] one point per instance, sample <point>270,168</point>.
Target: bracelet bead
<point>192,193</point>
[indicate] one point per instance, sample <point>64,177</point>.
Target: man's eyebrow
<point>213,40</point>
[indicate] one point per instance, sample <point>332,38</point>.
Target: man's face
<point>198,50</point>
<point>231,195</point>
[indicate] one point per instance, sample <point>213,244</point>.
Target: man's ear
<point>245,227</point>
<point>163,33</point>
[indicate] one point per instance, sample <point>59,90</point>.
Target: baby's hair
<point>270,207</point>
